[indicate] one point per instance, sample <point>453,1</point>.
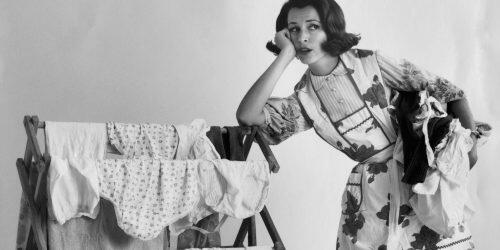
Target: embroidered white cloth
<point>73,183</point>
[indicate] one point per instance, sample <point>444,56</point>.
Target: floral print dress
<point>351,110</point>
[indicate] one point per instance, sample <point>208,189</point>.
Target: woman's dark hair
<point>332,20</point>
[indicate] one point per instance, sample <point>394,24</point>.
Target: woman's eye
<point>314,27</point>
<point>293,29</point>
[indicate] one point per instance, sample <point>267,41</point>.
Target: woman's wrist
<point>287,53</point>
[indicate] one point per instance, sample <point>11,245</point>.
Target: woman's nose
<point>304,36</point>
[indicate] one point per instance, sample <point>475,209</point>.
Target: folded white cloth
<point>73,182</point>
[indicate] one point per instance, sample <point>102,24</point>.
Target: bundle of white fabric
<point>442,201</point>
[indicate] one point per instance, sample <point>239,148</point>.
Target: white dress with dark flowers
<point>351,110</point>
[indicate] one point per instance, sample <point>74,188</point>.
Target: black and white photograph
<point>260,125</point>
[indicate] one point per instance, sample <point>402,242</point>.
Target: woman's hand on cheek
<point>282,40</point>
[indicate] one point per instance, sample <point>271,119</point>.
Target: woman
<point>345,95</point>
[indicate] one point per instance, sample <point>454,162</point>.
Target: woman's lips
<point>303,51</point>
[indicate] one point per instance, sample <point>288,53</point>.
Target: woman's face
<point>307,34</point>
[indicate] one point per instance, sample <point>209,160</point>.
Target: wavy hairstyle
<point>332,20</point>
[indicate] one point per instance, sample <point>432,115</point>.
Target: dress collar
<point>344,66</point>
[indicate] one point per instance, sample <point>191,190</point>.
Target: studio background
<point>173,61</point>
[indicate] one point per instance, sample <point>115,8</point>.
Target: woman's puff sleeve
<point>403,75</point>
<point>284,118</point>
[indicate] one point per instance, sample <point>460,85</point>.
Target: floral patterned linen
<point>143,140</point>
<point>148,194</point>
<point>376,213</point>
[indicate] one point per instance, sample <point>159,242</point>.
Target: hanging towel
<point>73,181</point>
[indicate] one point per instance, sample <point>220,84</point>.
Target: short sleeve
<point>403,75</point>
<point>284,118</point>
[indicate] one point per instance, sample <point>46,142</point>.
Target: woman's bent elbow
<point>243,120</point>
<point>247,120</point>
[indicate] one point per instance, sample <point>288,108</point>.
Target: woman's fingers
<point>286,33</point>
<point>283,41</point>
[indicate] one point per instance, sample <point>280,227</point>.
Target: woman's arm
<point>250,112</point>
<point>460,109</point>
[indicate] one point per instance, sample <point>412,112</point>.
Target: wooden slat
<point>31,242</point>
<point>252,232</point>
<point>268,154</point>
<point>36,174</point>
<point>33,143</point>
<point>36,220</point>
<point>27,223</point>
<point>32,179</point>
<point>271,229</point>
<point>247,144</point>
<point>242,233</point>
<point>41,185</point>
<point>28,156</point>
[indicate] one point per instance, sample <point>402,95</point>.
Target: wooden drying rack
<point>34,166</point>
